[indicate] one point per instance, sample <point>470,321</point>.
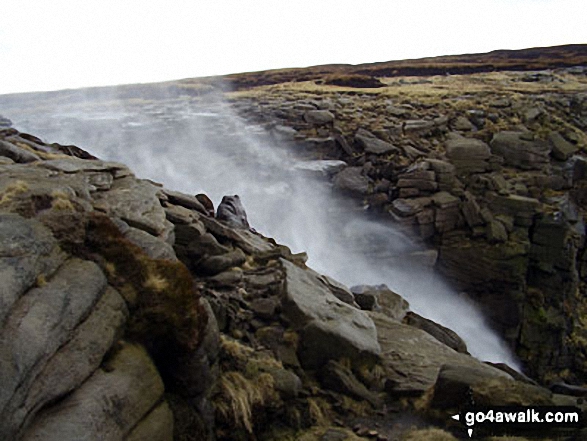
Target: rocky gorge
<point>133,311</point>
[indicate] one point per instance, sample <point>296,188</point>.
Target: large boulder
<point>412,358</point>
<point>329,328</point>
<point>468,155</point>
<point>520,149</point>
<point>352,180</point>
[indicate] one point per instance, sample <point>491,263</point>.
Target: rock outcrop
<point>492,180</point>
<point>129,311</point>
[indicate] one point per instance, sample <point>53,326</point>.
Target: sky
<point>60,44</point>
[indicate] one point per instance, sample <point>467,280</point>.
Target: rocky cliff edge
<point>130,312</point>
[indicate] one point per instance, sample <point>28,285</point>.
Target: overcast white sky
<point>57,44</point>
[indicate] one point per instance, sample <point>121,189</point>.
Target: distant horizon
<point>70,45</point>
<point>285,68</point>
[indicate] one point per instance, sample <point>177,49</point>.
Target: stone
<point>330,329</point>
<point>522,208</point>
<point>321,167</point>
<point>463,124</point>
<point>216,264</point>
<point>153,247</point>
<point>184,200</point>
<point>5,122</point>
<point>439,332</point>
<point>456,386</point>
<point>420,126</point>
<point>410,371</point>
<point>318,117</point>
<point>231,212</point>
<point>137,203</point>
<point>156,426</point>
<point>340,291</point>
<point>352,180</point>
<point>367,300</point>
<point>519,151</point>
<point>286,382</point>
<point>27,251</point>
<point>471,211</point>
<point>468,155</point>
<point>371,144</point>
<point>265,308</point>
<point>127,387</point>
<point>17,154</point>
<point>561,148</point>
<point>338,378</point>
<point>78,165</point>
<point>390,303</point>
<point>496,232</point>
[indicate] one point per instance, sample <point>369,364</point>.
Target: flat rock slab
<point>330,328</point>
<point>412,358</point>
<point>137,203</point>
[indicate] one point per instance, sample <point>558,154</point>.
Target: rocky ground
<point>131,311</point>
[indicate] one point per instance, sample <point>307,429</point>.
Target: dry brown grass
<point>12,190</point>
<point>239,396</point>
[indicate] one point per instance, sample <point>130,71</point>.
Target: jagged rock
<point>187,201</point>
<point>367,300</point>
<point>152,246</point>
<point>352,180</point>
<point>330,329</point>
<point>128,389</point>
<point>371,144</point>
<point>137,203</point>
<point>456,386</point>
<point>216,264</point>
<point>561,148</point>
<point>390,303</point>
<point>336,377</point>
<point>412,372</point>
<point>439,332</point>
<point>321,168</point>
<point>17,154</point>
<point>463,124</point>
<point>520,150</point>
<point>286,382</point>
<point>232,212</point>
<point>568,389</point>
<point>468,155</point>
<point>522,208</point>
<point>318,117</point>
<point>496,232</point>
<point>340,291</point>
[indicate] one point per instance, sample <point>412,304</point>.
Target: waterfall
<point>202,147</point>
